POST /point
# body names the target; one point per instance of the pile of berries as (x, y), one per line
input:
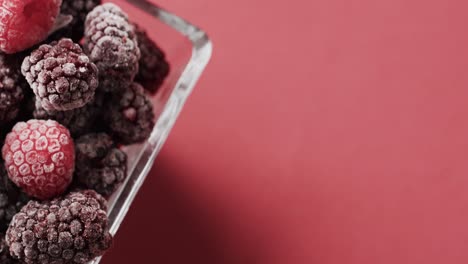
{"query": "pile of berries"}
(71, 95)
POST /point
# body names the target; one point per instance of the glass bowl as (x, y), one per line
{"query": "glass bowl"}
(188, 50)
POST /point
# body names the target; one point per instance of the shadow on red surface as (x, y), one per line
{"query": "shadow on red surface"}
(173, 227)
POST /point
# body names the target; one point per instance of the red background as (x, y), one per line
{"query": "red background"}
(323, 131)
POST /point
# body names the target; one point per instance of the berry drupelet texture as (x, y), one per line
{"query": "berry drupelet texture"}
(24, 23)
(78, 9)
(100, 165)
(5, 257)
(153, 65)
(130, 116)
(79, 120)
(67, 230)
(40, 157)
(11, 92)
(61, 75)
(111, 43)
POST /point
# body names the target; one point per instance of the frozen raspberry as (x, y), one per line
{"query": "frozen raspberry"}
(61, 75)
(111, 43)
(100, 165)
(153, 65)
(11, 93)
(130, 116)
(40, 157)
(78, 9)
(24, 23)
(79, 120)
(5, 257)
(67, 230)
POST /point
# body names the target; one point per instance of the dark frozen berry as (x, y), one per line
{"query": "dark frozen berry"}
(111, 43)
(40, 157)
(67, 230)
(100, 165)
(153, 65)
(11, 199)
(130, 116)
(24, 23)
(91, 194)
(79, 120)
(61, 75)
(5, 257)
(11, 92)
(78, 9)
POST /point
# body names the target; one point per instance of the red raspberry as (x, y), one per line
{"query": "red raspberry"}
(24, 23)
(40, 157)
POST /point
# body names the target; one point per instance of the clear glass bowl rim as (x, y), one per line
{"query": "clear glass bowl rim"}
(201, 54)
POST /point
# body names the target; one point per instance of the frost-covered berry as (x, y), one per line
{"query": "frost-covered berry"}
(79, 120)
(5, 257)
(100, 165)
(153, 67)
(78, 9)
(11, 92)
(111, 43)
(40, 157)
(24, 23)
(68, 230)
(130, 116)
(61, 75)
